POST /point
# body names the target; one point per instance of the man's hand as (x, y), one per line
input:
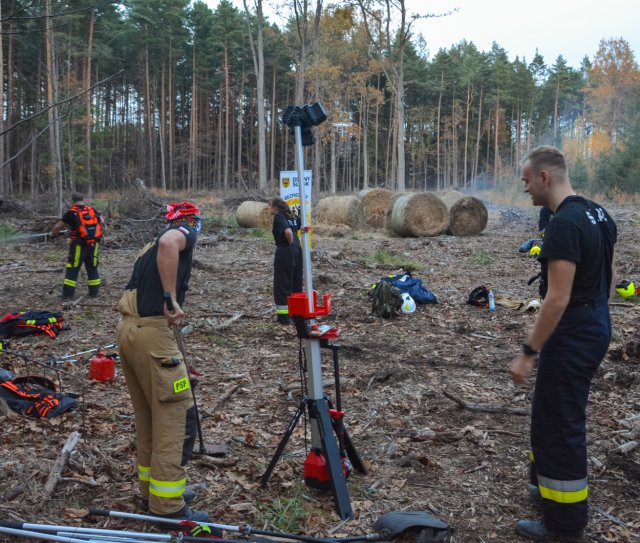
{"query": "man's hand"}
(173, 314)
(521, 368)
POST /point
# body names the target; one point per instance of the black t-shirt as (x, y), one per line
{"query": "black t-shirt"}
(582, 232)
(71, 219)
(280, 224)
(146, 279)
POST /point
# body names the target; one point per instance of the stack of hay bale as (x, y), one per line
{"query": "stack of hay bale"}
(408, 214)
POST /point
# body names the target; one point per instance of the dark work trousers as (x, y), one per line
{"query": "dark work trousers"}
(80, 254)
(287, 275)
(567, 363)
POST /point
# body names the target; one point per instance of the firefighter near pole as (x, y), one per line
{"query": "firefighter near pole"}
(326, 466)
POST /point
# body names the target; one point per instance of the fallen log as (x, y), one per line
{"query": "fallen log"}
(486, 407)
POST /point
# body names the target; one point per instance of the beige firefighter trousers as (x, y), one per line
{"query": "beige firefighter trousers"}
(159, 387)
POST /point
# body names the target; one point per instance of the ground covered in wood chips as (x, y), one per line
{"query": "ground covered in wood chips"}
(400, 380)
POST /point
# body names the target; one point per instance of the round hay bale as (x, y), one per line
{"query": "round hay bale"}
(419, 214)
(388, 226)
(252, 214)
(376, 203)
(331, 230)
(336, 210)
(468, 216)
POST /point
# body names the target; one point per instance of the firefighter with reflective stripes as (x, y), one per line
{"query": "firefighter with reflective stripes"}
(287, 263)
(85, 226)
(154, 368)
(570, 337)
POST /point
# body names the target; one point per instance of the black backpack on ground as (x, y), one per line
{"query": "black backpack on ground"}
(35, 396)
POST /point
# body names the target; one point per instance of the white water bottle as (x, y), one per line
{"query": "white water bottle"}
(492, 301)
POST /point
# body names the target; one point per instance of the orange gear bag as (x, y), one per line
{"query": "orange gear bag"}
(89, 230)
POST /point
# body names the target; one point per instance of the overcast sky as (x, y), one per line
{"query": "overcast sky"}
(570, 28)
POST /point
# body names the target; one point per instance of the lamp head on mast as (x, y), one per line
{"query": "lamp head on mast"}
(305, 117)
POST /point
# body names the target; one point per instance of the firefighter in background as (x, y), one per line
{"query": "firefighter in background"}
(85, 232)
(287, 263)
(570, 338)
(154, 368)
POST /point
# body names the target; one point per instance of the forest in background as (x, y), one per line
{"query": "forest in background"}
(186, 97)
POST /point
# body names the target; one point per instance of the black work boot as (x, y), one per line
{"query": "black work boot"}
(536, 531)
(188, 496)
(186, 514)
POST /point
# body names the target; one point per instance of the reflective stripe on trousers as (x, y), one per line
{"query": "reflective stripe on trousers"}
(167, 489)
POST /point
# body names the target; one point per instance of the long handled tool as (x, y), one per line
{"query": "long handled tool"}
(209, 449)
(22, 237)
(78, 533)
(245, 529)
(388, 526)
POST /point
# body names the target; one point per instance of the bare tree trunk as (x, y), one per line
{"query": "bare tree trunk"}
(555, 110)
(52, 99)
(258, 66)
(365, 147)
(3, 167)
(439, 182)
(171, 121)
(240, 123)
(274, 127)
(227, 135)
(87, 86)
(400, 129)
(11, 106)
(333, 161)
(149, 121)
(474, 173)
(193, 124)
(162, 125)
(466, 134)
(496, 149)
(376, 133)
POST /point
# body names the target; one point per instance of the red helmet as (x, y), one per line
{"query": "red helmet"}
(182, 209)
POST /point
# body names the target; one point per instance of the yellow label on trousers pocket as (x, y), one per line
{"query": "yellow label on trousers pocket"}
(180, 385)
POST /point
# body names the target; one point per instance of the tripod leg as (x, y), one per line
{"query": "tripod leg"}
(283, 441)
(334, 462)
(352, 453)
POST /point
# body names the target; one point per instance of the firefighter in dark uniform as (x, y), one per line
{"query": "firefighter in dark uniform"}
(570, 338)
(154, 368)
(287, 263)
(85, 232)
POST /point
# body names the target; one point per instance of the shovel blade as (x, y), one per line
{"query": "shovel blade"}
(219, 450)
(395, 522)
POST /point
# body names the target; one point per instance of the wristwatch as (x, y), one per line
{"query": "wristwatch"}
(527, 350)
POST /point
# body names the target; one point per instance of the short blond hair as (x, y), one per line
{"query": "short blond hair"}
(547, 157)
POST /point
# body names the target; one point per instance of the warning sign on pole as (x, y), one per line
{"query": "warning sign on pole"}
(290, 191)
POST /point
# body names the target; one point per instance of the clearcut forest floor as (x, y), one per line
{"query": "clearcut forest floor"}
(423, 451)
